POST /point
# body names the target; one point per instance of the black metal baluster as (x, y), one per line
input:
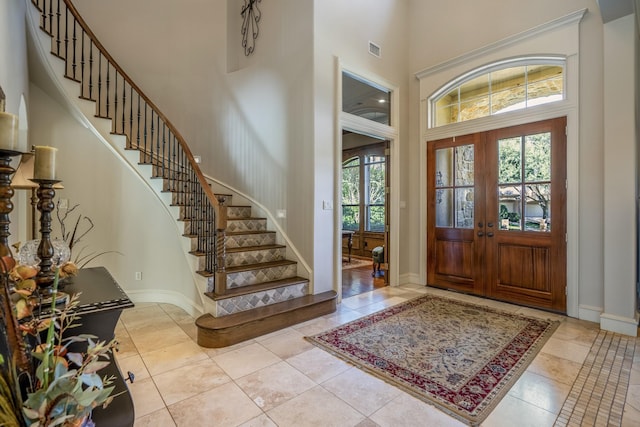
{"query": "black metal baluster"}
(114, 121)
(107, 92)
(124, 104)
(91, 69)
(58, 33)
(138, 128)
(82, 62)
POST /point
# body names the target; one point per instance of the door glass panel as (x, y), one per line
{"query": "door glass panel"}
(444, 208)
(464, 207)
(444, 167)
(510, 207)
(510, 160)
(525, 163)
(464, 165)
(537, 209)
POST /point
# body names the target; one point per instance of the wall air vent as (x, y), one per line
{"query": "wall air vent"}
(374, 49)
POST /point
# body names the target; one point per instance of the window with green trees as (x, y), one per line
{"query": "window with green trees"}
(363, 193)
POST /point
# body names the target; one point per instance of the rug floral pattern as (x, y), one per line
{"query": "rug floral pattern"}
(461, 357)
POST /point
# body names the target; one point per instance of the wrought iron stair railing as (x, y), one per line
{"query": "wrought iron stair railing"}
(146, 128)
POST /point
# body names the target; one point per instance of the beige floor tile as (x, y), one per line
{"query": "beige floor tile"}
(224, 406)
(173, 356)
(541, 391)
(287, 344)
(137, 317)
(134, 364)
(190, 380)
(318, 365)
(559, 369)
(315, 407)
(126, 347)
(177, 313)
(366, 423)
(576, 333)
(381, 305)
(245, 360)
(213, 352)
(566, 349)
(512, 411)
(407, 411)
(315, 326)
(343, 315)
(362, 300)
(160, 418)
(260, 421)
(274, 385)
(146, 398)
(153, 338)
(362, 391)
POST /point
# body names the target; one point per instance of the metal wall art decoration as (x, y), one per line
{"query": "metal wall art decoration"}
(250, 18)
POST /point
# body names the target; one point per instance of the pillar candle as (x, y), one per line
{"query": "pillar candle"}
(45, 163)
(8, 131)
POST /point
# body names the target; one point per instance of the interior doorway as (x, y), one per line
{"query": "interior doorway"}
(365, 215)
(496, 214)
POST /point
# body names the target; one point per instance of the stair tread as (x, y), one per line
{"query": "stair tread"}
(245, 218)
(240, 233)
(207, 321)
(252, 289)
(253, 248)
(256, 266)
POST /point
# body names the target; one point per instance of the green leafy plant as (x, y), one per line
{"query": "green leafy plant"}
(67, 385)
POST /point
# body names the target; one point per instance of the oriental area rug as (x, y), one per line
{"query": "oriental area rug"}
(460, 357)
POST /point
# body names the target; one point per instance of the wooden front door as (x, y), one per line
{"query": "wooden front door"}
(496, 221)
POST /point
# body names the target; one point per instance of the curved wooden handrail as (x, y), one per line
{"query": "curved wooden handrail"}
(89, 63)
(170, 125)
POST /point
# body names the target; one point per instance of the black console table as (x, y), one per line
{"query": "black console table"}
(100, 304)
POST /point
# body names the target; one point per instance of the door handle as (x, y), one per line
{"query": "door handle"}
(490, 224)
(490, 234)
(480, 234)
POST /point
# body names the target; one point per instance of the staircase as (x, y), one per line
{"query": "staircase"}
(250, 287)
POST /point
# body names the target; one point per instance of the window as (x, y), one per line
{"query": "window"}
(365, 99)
(351, 194)
(364, 174)
(499, 88)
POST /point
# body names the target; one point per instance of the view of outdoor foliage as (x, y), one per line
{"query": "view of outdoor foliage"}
(524, 178)
(372, 170)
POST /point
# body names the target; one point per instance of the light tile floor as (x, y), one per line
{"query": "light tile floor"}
(282, 380)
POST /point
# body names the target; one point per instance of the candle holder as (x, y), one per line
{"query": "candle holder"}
(6, 193)
(46, 193)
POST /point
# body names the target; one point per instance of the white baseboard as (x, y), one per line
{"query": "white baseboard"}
(621, 325)
(166, 297)
(589, 313)
(409, 278)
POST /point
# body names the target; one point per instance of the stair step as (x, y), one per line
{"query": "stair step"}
(254, 274)
(216, 332)
(254, 255)
(242, 239)
(265, 286)
(249, 267)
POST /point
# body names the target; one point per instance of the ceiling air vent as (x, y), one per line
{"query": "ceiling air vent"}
(374, 49)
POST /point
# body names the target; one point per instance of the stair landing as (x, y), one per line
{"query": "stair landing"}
(216, 332)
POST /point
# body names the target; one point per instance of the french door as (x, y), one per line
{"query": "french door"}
(496, 214)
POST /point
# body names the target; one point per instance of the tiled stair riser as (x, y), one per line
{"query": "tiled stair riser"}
(255, 256)
(260, 275)
(235, 212)
(260, 299)
(253, 239)
(253, 224)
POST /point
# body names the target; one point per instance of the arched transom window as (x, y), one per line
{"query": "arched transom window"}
(498, 88)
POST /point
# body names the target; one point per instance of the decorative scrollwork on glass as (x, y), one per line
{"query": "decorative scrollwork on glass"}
(250, 18)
